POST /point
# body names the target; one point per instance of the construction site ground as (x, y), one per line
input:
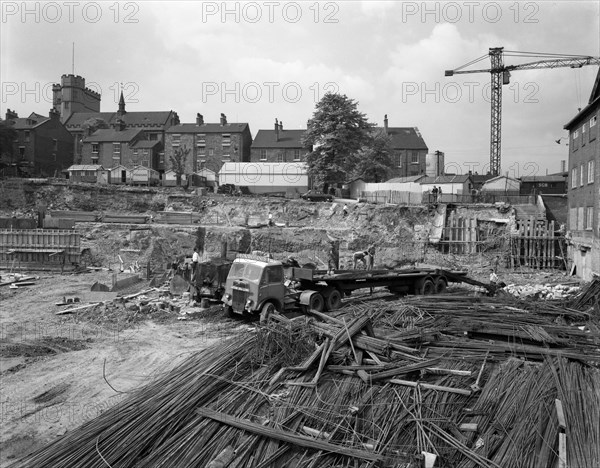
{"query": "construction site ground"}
(60, 371)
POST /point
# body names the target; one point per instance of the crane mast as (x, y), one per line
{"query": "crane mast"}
(500, 75)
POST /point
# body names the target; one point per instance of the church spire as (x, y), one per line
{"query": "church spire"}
(122, 110)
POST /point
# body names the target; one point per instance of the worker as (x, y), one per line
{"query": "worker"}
(345, 210)
(439, 194)
(493, 277)
(195, 261)
(270, 219)
(370, 257)
(496, 263)
(362, 256)
(292, 262)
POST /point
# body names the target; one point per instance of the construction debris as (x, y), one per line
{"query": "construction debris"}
(444, 381)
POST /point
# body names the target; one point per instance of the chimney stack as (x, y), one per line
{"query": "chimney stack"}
(54, 114)
(281, 125)
(276, 130)
(563, 165)
(200, 119)
(385, 123)
(223, 119)
(10, 114)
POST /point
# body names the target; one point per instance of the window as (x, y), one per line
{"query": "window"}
(273, 274)
(575, 134)
(55, 144)
(589, 217)
(152, 136)
(414, 158)
(593, 121)
(145, 163)
(581, 175)
(200, 140)
(398, 158)
(95, 148)
(211, 152)
(135, 152)
(117, 149)
(296, 155)
(574, 178)
(176, 139)
(226, 140)
(281, 156)
(591, 169)
(583, 138)
(26, 136)
(201, 149)
(263, 154)
(94, 159)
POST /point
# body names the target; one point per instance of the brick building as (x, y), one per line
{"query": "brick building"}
(43, 146)
(154, 124)
(409, 151)
(123, 146)
(278, 145)
(584, 187)
(209, 144)
(72, 96)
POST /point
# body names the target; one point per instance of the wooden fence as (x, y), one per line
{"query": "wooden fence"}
(533, 242)
(537, 245)
(39, 248)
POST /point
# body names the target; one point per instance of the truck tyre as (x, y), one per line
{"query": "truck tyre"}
(334, 300)
(440, 285)
(229, 311)
(267, 309)
(425, 286)
(316, 302)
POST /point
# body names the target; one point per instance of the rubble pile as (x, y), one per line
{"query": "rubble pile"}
(438, 381)
(543, 291)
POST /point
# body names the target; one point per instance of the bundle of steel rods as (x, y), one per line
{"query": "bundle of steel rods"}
(471, 383)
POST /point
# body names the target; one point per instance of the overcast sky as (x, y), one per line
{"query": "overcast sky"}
(257, 61)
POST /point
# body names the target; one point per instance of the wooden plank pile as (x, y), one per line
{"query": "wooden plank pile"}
(439, 381)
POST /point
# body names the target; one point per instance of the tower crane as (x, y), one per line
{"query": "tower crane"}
(500, 75)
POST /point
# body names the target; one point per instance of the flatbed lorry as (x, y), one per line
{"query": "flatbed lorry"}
(261, 285)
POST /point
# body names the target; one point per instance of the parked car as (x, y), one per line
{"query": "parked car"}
(314, 196)
(228, 189)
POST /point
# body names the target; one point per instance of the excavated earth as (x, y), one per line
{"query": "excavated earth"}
(59, 371)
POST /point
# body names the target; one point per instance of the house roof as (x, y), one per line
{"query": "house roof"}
(402, 180)
(548, 178)
(445, 179)
(501, 177)
(85, 167)
(208, 128)
(263, 168)
(405, 137)
(131, 119)
(109, 134)
(141, 144)
(287, 139)
(24, 123)
(143, 168)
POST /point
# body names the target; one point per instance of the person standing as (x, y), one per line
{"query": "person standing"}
(195, 261)
(370, 257)
(345, 210)
(270, 219)
(439, 194)
(434, 193)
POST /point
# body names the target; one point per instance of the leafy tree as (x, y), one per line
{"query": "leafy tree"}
(336, 132)
(375, 163)
(7, 136)
(178, 161)
(92, 124)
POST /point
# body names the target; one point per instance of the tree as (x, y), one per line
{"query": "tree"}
(178, 161)
(375, 162)
(92, 124)
(336, 132)
(7, 136)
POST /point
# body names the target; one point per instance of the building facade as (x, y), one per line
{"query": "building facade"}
(278, 145)
(82, 124)
(117, 147)
(409, 151)
(43, 146)
(583, 191)
(206, 145)
(72, 96)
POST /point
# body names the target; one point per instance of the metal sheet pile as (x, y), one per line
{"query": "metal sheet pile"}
(440, 381)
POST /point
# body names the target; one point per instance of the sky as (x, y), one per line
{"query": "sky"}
(258, 61)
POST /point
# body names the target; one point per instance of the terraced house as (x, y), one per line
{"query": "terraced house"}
(278, 145)
(207, 145)
(584, 187)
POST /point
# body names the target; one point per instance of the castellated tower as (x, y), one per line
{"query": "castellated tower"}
(72, 96)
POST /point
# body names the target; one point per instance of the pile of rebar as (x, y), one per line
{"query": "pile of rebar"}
(467, 382)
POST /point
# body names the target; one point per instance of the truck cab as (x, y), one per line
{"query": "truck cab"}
(255, 284)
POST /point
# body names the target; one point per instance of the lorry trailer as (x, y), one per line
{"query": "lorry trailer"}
(261, 285)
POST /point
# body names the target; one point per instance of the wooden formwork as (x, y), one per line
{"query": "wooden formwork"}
(537, 245)
(39, 248)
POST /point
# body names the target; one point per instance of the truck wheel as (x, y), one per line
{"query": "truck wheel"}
(316, 302)
(267, 309)
(440, 285)
(425, 287)
(334, 300)
(230, 312)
